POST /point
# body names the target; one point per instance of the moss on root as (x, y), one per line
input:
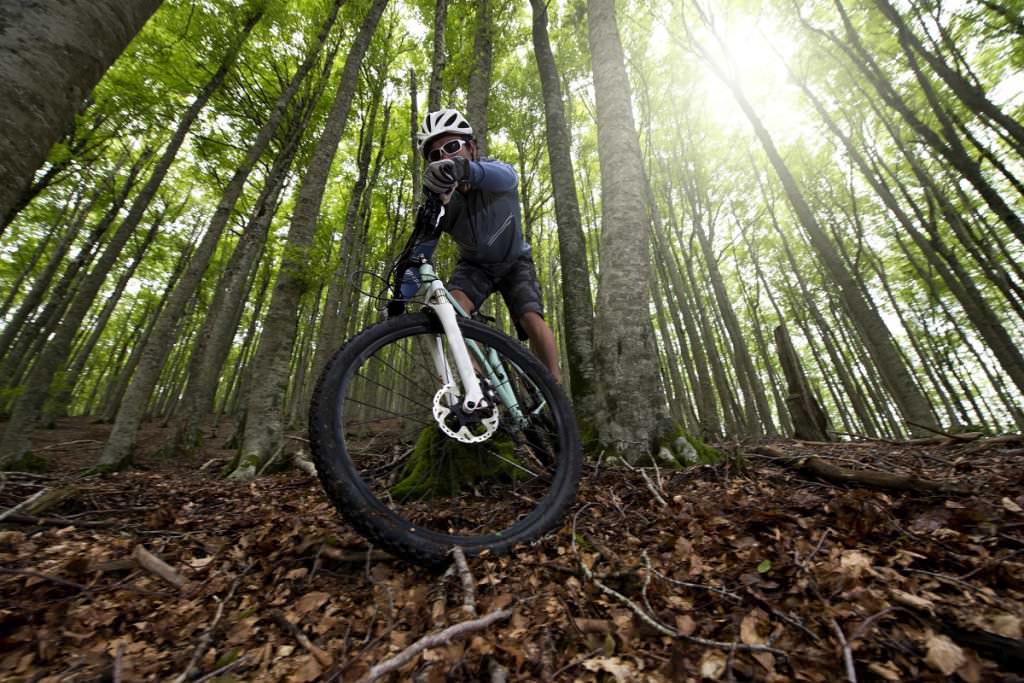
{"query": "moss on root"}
(28, 462)
(440, 466)
(687, 449)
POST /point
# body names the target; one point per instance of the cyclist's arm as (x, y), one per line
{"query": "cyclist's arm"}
(492, 176)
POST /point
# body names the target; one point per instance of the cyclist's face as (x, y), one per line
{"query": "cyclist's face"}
(465, 150)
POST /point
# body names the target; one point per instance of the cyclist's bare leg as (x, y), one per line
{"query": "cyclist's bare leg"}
(542, 341)
(463, 300)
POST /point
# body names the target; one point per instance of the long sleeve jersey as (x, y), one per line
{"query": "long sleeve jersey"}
(485, 221)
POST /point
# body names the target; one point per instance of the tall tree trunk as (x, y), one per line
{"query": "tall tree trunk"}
(118, 449)
(577, 299)
(437, 61)
(52, 53)
(479, 91)
(632, 414)
(57, 406)
(25, 414)
(213, 341)
(264, 428)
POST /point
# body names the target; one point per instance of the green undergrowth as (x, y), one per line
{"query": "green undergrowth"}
(440, 466)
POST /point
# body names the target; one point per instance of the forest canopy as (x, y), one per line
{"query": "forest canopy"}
(828, 217)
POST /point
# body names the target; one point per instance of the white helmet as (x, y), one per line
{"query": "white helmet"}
(440, 122)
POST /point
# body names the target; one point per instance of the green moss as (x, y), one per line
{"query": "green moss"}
(28, 462)
(685, 450)
(440, 466)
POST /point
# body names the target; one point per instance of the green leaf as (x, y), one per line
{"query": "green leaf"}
(764, 567)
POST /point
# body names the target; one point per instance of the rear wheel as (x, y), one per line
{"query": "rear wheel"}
(413, 471)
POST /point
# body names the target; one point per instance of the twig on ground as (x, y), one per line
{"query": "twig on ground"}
(207, 637)
(440, 606)
(650, 485)
(851, 672)
(434, 640)
(468, 582)
(866, 624)
(119, 664)
(155, 565)
(699, 586)
(323, 658)
(671, 632)
(23, 504)
(821, 541)
(66, 443)
(244, 659)
(32, 520)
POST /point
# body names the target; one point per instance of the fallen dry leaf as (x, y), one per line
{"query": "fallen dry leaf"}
(943, 655)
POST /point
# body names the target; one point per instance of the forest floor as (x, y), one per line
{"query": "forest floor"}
(756, 571)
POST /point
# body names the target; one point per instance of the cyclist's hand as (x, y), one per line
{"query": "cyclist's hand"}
(442, 176)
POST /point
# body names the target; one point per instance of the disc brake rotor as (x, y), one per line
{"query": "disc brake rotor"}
(463, 433)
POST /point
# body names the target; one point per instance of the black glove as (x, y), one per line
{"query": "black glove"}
(442, 176)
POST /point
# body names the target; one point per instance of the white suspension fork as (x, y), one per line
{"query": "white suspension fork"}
(437, 300)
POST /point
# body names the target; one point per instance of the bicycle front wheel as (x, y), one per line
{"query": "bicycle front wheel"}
(413, 471)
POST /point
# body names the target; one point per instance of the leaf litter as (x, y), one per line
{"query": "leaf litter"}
(748, 571)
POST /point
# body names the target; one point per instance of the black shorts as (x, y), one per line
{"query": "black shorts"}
(517, 282)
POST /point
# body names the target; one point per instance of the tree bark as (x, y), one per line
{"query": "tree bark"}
(479, 91)
(118, 449)
(632, 412)
(52, 53)
(809, 419)
(264, 426)
(577, 299)
(27, 408)
(437, 62)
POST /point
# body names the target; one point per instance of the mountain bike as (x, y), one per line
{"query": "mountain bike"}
(432, 429)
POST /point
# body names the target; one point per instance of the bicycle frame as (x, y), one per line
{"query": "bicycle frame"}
(437, 297)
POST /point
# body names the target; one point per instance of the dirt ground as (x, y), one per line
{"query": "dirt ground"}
(756, 570)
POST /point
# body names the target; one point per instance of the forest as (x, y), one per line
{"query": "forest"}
(780, 246)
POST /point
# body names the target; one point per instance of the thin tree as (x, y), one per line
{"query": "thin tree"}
(264, 421)
(577, 299)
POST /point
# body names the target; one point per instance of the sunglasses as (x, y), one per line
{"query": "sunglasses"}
(447, 149)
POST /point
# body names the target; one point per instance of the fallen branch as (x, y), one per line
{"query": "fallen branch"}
(155, 565)
(23, 504)
(32, 520)
(323, 658)
(468, 582)
(434, 640)
(869, 478)
(965, 437)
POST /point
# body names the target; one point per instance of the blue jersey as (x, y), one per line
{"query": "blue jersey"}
(485, 221)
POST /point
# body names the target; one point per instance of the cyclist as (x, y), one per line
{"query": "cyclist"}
(482, 215)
